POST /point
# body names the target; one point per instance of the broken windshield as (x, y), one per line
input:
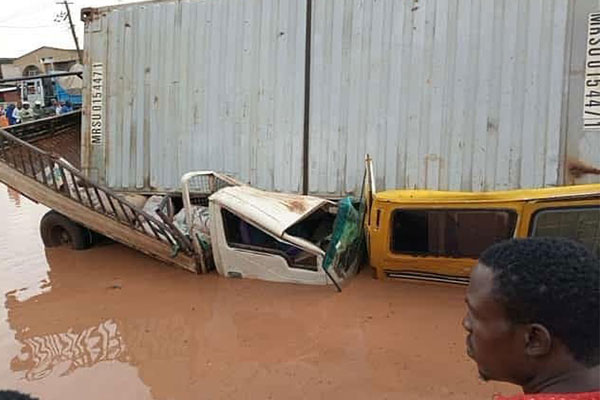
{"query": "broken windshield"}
(346, 250)
(243, 235)
(316, 228)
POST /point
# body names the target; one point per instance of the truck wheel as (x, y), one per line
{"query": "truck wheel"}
(58, 230)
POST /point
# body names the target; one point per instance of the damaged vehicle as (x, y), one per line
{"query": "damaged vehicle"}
(439, 235)
(284, 237)
(213, 221)
(244, 232)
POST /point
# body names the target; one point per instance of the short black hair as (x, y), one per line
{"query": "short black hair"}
(554, 282)
(13, 395)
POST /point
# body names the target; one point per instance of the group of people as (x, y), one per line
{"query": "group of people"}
(23, 112)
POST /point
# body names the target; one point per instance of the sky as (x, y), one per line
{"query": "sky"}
(26, 25)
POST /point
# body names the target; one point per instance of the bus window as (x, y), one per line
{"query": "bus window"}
(578, 223)
(450, 233)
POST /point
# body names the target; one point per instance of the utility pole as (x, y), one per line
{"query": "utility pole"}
(72, 30)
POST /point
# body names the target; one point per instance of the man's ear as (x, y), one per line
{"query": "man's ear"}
(538, 341)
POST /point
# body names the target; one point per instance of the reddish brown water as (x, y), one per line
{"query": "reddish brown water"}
(110, 323)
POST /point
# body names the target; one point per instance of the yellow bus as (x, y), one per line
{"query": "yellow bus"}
(438, 235)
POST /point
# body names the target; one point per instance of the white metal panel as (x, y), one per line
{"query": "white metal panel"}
(254, 264)
(199, 84)
(581, 146)
(273, 212)
(444, 94)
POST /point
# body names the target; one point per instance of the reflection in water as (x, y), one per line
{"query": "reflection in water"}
(191, 337)
(41, 355)
(97, 312)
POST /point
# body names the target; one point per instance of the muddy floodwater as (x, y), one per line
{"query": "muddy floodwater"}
(111, 323)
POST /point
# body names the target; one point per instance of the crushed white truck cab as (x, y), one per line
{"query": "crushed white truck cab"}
(284, 237)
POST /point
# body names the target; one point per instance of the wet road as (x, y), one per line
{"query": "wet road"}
(110, 323)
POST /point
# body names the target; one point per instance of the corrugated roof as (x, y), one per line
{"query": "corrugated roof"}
(44, 47)
(508, 195)
(4, 89)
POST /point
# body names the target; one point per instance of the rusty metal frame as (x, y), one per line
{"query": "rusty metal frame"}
(23, 157)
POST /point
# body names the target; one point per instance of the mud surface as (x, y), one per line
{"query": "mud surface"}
(110, 323)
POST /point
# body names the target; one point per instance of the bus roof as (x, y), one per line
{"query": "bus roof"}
(551, 193)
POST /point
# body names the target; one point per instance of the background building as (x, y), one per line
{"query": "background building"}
(9, 93)
(46, 59)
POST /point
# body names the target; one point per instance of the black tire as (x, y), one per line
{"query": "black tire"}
(57, 230)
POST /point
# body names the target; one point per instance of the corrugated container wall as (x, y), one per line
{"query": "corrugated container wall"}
(444, 94)
(193, 85)
(580, 145)
(448, 94)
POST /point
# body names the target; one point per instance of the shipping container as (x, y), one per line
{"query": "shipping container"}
(177, 86)
(444, 94)
(451, 95)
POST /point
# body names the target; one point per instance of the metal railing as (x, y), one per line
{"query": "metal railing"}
(60, 177)
(196, 187)
(45, 127)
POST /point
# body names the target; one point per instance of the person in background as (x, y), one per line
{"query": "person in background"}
(17, 112)
(54, 108)
(66, 107)
(10, 114)
(533, 318)
(26, 114)
(3, 120)
(38, 111)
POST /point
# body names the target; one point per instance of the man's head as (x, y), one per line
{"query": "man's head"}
(54, 102)
(533, 308)
(37, 104)
(26, 105)
(14, 395)
(19, 105)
